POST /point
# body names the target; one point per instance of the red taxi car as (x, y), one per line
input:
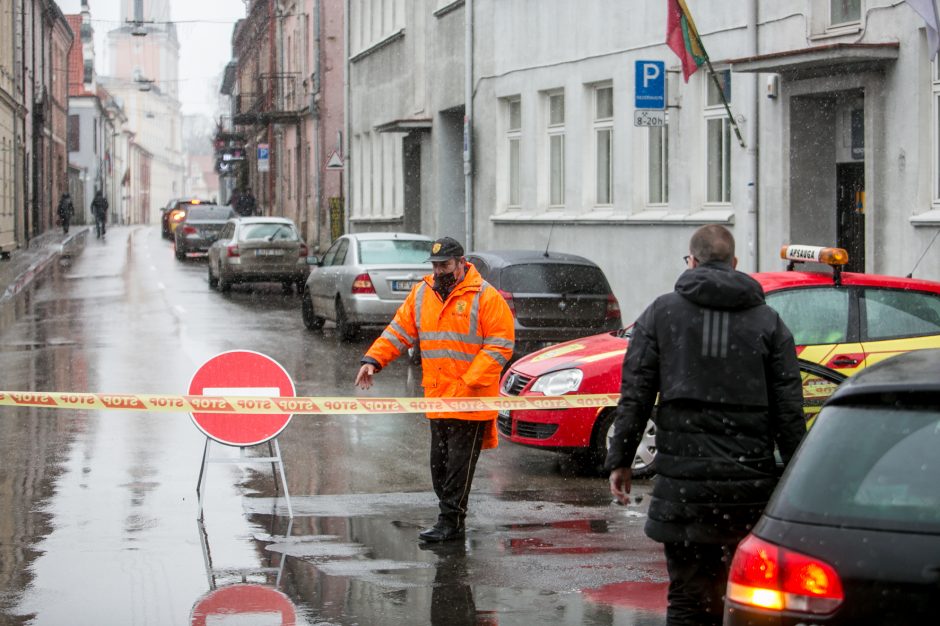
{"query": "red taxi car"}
(841, 320)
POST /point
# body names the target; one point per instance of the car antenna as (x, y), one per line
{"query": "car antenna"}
(548, 243)
(911, 274)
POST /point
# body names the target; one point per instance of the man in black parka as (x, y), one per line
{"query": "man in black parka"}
(724, 366)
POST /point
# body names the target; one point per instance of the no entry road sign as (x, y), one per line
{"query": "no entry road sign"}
(241, 373)
(244, 604)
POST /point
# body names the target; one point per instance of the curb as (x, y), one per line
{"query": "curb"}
(69, 247)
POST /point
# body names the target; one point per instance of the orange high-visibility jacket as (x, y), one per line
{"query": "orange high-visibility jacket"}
(465, 341)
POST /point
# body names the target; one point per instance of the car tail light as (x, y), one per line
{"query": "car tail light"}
(773, 578)
(190, 230)
(363, 284)
(231, 250)
(304, 252)
(178, 216)
(508, 298)
(613, 308)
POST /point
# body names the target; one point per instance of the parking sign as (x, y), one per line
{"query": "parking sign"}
(650, 79)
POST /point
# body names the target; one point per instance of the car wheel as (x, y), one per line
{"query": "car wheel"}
(311, 320)
(345, 330)
(645, 453)
(213, 281)
(224, 285)
(180, 253)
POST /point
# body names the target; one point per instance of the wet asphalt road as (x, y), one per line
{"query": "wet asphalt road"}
(98, 509)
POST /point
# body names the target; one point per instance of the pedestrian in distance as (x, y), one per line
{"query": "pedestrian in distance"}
(465, 332)
(724, 366)
(65, 211)
(99, 208)
(246, 205)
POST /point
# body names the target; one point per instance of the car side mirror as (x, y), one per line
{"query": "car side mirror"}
(314, 260)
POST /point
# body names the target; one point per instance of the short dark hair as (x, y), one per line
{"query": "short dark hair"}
(712, 243)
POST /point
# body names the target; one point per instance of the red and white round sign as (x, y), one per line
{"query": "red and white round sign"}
(244, 604)
(242, 373)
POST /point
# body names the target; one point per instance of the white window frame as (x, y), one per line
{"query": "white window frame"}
(373, 21)
(820, 20)
(663, 174)
(602, 125)
(849, 23)
(553, 132)
(513, 136)
(715, 113)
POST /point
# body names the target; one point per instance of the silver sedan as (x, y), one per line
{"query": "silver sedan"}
(258, 249)
(362, 280)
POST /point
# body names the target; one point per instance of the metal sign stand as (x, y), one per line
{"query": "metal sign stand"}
(241, 573)
(274, 458)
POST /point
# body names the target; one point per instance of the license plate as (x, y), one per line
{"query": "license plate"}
(403, 285)
(269, 252)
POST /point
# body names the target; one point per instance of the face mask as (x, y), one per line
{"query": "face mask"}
(444, 282)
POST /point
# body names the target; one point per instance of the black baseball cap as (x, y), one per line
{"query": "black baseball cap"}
(445, 249)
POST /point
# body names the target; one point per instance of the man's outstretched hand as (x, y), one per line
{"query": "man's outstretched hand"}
(364, 377)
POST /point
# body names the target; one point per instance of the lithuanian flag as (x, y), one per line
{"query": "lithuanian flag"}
(682, 37)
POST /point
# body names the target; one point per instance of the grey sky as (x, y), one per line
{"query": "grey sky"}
(204, 28)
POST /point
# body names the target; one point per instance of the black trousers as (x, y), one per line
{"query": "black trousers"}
(455, 448)
(698, 575)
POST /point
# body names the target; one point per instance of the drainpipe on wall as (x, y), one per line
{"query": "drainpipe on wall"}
(318, 121)
(468, 124)
(346, 121)
(753, 153)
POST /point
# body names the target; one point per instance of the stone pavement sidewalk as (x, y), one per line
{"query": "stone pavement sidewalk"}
(26, 264)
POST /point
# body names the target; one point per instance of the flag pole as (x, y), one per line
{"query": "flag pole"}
(721, 91)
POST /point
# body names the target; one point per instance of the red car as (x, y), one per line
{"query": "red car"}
(842, 321)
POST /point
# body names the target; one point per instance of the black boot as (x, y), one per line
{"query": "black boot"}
(436, 534)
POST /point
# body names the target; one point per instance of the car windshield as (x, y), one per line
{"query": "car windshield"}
(554, 278)
(383, 251)
(866, 467)
(272, 231)
(209, 212)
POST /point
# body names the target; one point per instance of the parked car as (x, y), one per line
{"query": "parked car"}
(843, 321)
(852, 532)
(199, 228)
(258, 249)
(175, 212)
(553, 296)
(362, 280)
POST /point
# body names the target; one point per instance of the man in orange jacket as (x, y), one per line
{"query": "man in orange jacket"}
(465, 332)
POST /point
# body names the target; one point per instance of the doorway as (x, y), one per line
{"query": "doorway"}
(850, 213)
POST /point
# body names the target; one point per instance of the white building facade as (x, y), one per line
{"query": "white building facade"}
(836, 101)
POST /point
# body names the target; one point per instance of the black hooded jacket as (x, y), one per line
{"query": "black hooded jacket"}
(724, 367)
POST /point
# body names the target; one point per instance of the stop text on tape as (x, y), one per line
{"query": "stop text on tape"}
(303, 405)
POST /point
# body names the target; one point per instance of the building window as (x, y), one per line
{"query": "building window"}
(604, 145)
(556, 149)
(513, 149)
(374, 20)
(845, 12)
(377, 181)
(658, 165)
(718, 140)
(74, 134)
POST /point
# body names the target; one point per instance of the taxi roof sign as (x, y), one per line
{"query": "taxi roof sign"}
(836, 258)
(818, 254)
